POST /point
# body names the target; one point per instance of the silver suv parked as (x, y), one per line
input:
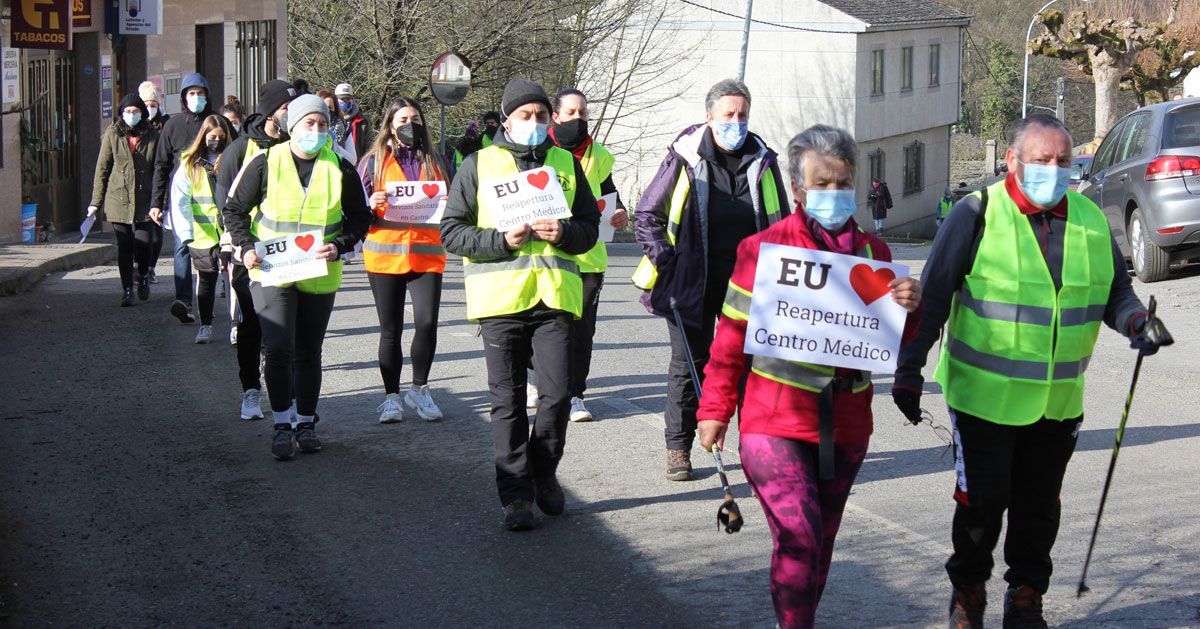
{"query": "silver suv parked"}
(1146, 178)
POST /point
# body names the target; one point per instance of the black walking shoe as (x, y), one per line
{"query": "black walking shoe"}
(518, 516)
(306, 437)
(549, 496)
(1023, 609)
(282, 446)
(127, 297)
(183, 312)
(966, 607)
(143, 289)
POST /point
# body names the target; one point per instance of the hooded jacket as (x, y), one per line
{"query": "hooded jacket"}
(122, 183)
(683, 268)
(176, 136)
(234, 155)
(354, 131)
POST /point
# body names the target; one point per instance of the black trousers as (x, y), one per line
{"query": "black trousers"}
(156, 242)
(540, 337)
(584, 330)
(293, 330)
(1015, 468)
(249, 347)
(390, 291)
(135, 244)
(208, 271)
(682, 398)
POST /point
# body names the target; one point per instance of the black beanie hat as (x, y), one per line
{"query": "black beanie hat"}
(131, 100)
(273, 94)
(520, 92)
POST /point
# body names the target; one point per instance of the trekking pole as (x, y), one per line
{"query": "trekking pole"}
(1164, 338)
(728, 514)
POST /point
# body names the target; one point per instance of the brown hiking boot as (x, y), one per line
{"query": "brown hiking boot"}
(1023, 609)
(679, 465)
(966, 607)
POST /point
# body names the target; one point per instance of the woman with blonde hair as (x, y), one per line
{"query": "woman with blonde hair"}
(404, 258)
(194, 213)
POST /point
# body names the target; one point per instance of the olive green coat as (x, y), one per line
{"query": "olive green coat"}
(123, 179)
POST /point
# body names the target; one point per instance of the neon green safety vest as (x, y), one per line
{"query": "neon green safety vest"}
(944, 207)
(1015, 350)
(646, 274)
(805, 376)
(289, 208)
(485, 140)
(538, 271)
(597, 165)
(206, 231)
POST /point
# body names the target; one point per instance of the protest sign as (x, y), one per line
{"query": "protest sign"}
(415, 201)
(291, 258)
(526, 197)
(825, 309)
(608, 206)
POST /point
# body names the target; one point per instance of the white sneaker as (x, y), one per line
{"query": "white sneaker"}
(579, 412)
(390, 410)
(531, 396)
(419, 400)
(233, 335)
(204, 334)
(252, 404)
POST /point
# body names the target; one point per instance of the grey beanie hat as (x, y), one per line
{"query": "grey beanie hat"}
(303, 106)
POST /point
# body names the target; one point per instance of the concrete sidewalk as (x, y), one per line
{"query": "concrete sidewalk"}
(23, 266)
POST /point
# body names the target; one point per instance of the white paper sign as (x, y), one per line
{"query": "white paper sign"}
(415, 201)
(290, 258)
(10, 58)
(826, 309)
(86, 227)
(608, 207)
(526, 197)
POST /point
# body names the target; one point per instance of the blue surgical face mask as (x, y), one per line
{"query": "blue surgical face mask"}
(132, 119)
(345, 106)
(1045, 184)
(731, 135)
(830, 208)
(528, 132)
(196, 103)
(309, 141)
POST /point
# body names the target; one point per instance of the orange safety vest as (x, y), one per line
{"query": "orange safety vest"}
(399, 248)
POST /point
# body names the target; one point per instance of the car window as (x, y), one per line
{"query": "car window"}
(1182, 128)
(1104, 156)
(1133, 137)
(1076, 172)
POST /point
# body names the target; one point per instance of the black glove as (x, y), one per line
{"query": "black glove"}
(1152, 336)
(909, 402)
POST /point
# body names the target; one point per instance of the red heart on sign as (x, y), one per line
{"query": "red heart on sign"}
(305, 242)
(430, 190)
(870, 284)
(601, 205)
(538, 179)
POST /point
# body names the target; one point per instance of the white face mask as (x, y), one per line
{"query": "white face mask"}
(153, 111)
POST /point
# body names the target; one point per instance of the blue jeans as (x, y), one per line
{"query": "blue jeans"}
(183, 272)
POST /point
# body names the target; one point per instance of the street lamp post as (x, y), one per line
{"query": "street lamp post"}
(1029, 34)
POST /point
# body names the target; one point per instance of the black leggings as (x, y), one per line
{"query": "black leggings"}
(249, 347)
(389, 293)
(156, 242)
(293, 327)
(134, 243)
(207, 267)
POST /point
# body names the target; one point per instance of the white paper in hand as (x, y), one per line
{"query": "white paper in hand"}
(291, 258)
(86, 227)
(608, 205)
(526, 197)
(421, 202)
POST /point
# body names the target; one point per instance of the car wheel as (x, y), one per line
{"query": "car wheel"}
(1150, 262)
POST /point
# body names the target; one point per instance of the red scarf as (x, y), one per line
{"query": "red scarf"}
(1013, 187)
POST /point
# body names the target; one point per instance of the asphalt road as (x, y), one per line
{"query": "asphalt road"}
(133, 496)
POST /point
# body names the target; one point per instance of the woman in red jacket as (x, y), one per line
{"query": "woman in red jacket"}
(779, 419)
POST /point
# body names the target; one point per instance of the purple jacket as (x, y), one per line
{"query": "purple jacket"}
(683, 268)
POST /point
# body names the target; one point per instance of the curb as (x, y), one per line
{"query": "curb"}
(76, 257)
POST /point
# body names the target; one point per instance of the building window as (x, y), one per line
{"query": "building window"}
(255, 59)
(935, 65)
(906, 68)
(875, 162)
(914, 168)
(877, 73)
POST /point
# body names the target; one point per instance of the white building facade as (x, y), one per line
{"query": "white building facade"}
(888, 72)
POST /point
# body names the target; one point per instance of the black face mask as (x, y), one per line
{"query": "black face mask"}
(214, 146)
(572, 133)
(411, 135)
(490, 131)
